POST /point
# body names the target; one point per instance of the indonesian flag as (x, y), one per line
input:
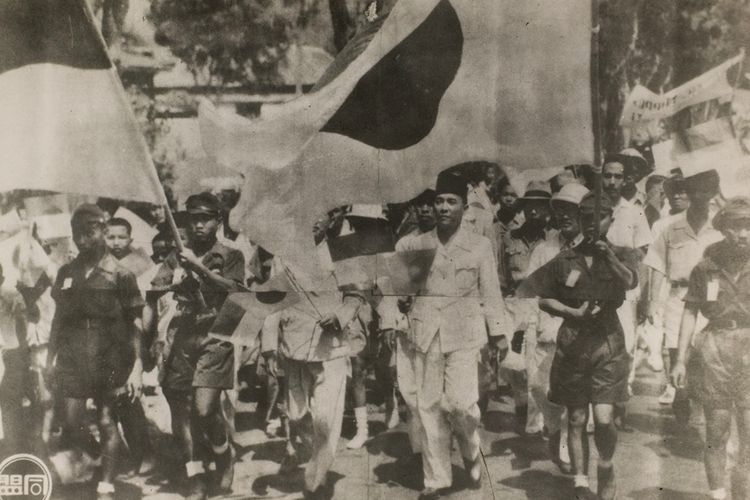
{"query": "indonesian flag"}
(66, 123)
(440, 82)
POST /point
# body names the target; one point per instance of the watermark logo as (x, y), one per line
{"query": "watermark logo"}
(24, 476)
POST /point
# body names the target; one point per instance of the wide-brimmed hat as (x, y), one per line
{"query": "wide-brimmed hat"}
(632, 160)
(536, 191)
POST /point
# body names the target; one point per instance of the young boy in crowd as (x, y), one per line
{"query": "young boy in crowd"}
(119, 240)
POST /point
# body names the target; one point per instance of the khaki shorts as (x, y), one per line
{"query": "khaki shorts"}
(724, 357)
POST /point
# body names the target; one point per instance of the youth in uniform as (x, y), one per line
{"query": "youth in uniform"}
(719, 288)
(95, 341)
(196, 367)
(585, 286)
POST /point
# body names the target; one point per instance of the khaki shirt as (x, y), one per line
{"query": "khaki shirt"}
(677, 249)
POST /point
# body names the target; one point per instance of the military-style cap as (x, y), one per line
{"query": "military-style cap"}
(588, 203)
(86, 215)
(203, 203)
(451, 183)
(570, 193)
(735, 209)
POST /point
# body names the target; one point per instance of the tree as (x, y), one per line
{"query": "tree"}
(661, 44)
(226, 41)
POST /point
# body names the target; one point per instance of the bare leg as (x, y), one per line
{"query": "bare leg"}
(578, 441)
(605, 433)
(110, 440)
(718, 421)
(740, 479)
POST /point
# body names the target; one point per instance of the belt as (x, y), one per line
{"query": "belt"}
(680, 284)
(727, 324)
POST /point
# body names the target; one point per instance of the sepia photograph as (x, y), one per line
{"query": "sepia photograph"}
(374, 249)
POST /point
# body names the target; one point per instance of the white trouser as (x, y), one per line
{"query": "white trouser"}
(407, 386)
(447, 395)
(317, 389)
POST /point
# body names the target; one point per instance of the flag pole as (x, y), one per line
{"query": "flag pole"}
(595, 122)
(141, 141)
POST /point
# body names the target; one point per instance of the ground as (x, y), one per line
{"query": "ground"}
(655, 462)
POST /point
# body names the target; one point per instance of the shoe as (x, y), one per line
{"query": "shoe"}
(606, 486)
(431, 493)
(474, 471)
(323, 492)
(667, 397)
(393, 419)
(583, 493)
(655, 362)
(225, 469)
(289, 463)
(197, 488)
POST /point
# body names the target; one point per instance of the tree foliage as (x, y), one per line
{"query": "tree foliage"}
(661, 44)
(227, 41)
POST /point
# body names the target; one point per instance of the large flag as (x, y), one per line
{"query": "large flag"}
(66, 123)
(439, 83)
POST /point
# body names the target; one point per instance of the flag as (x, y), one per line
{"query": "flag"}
(439, 83)
(406, 272)
(355, 256)
(66, 123)
(242, 314)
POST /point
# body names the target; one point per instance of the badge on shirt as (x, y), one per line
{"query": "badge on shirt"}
(573, 278)
(712, 290)
(67, 283)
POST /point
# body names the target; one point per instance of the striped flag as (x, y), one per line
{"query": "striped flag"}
(437, 83)
(66, 123)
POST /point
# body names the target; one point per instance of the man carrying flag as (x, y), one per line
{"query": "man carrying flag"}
(450, 319)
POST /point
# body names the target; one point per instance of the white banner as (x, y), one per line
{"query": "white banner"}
(645, 106)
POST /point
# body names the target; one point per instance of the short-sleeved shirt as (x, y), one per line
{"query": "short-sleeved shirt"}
(677, 248)
(629, 227)
(228, 262)
(518, 249)
(94, 315)
(732, 298)
(569, 279)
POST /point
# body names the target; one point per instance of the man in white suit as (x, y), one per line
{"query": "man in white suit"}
(450, 320)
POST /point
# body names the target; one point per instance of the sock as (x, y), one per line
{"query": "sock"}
(580, 480)
(105, 487)
(604, 464)
(718, 494)
(194, 468)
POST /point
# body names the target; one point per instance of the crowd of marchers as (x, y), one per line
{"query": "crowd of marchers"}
(554, 295)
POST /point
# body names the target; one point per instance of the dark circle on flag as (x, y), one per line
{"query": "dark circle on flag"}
(272, 297)
(49, 31)
(395, 104)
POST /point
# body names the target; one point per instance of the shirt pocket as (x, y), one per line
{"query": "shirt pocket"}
(467, 277)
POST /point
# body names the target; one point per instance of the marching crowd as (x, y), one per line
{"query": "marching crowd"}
(555, 296)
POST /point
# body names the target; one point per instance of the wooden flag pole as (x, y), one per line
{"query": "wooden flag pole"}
(595, 122)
